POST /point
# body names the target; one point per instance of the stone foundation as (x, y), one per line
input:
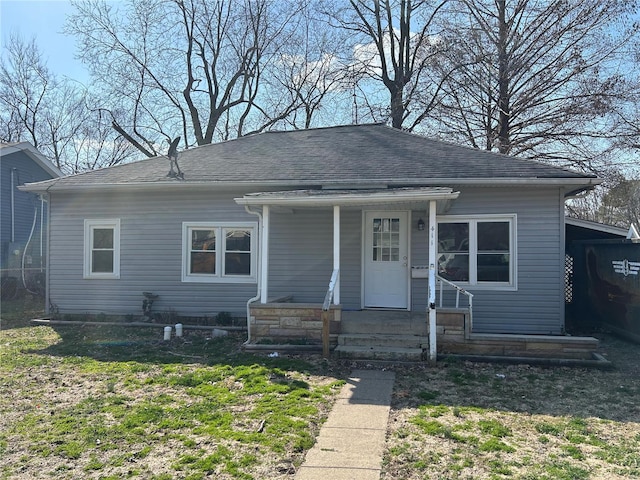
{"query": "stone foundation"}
(285, 323)
(454, 337)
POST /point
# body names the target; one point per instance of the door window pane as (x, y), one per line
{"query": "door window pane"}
(386, 240)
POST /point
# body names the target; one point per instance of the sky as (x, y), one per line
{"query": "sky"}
(44, 20)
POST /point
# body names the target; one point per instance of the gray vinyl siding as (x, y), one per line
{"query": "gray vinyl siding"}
(150, 253)
(301, 255)
(419, 258)
(537, 305)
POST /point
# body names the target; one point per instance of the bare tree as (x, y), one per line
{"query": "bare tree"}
(52, 113)
(193, 68)
(25, 84)
(311, 73)
(537, 79)
(397, 43)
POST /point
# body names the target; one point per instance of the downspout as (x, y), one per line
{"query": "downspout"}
(47, 294)
(259, 274)
(13, 205)
(41, 232)
(24, 252)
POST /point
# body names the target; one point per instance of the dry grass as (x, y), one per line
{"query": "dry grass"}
(463, 420)
(117, 402)
(88, 402)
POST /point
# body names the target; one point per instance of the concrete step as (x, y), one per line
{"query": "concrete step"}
(378, 353)
(386, 327)
(378, 340)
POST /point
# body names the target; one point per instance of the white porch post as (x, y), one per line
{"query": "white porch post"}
(264, 256)
(433, 351)
(336, 252)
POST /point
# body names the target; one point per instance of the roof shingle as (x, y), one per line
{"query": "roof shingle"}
(355, 153)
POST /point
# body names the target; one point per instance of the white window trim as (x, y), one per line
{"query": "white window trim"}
(473, 220)
(89, 226)
(219, 277)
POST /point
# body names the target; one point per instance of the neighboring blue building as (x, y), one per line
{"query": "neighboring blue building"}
(22, 215)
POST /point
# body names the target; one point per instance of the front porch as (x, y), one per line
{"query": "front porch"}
(385, 300)
(400, 335)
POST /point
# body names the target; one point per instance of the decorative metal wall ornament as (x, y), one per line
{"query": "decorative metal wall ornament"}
(625, 267)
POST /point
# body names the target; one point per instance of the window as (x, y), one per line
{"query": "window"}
(386, 239)
(215, 252)
(478, 250)
(102, 248)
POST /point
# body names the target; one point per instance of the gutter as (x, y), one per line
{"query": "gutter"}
(583, 182)
(580, 192)
(345, 199)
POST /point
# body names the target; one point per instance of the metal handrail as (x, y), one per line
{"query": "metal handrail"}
(332, 286)
(325, 312)
(458, 290)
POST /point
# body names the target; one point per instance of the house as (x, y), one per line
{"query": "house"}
(22, 214)
(273, 223)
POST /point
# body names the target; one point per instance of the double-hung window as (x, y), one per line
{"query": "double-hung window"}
(219, 252)
(479, 251)
(102, 248)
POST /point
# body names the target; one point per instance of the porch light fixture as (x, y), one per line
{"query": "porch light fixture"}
(420, 224)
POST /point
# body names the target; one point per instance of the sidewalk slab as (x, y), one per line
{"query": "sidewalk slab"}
(357, 415)
(351, 442)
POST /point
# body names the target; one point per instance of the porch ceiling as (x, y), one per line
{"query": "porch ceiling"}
(412, 198)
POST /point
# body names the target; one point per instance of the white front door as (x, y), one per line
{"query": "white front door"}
(386, 271)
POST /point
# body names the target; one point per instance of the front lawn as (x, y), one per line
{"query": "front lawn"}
(474, 421)
(119, 402)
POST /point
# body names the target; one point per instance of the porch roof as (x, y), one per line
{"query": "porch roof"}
(356, 197)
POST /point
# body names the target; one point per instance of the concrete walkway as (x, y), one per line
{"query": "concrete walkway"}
(351, 442)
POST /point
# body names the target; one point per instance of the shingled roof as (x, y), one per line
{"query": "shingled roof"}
(353, 154)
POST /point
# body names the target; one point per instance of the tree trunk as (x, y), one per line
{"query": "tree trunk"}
(397, 107)
(504, 143)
